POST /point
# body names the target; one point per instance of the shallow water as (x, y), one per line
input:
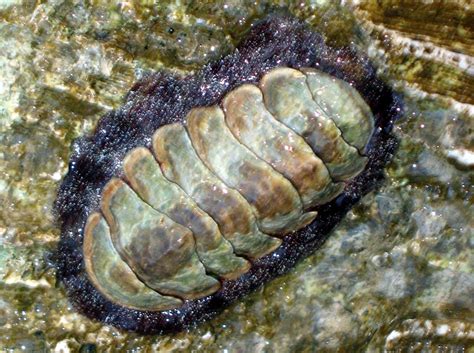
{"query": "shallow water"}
(396, 274)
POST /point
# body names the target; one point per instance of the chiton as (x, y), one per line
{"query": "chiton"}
(201, 188)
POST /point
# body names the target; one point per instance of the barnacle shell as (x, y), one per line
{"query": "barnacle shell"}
(204, 198)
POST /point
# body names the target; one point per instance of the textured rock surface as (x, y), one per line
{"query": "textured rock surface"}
(396, 274)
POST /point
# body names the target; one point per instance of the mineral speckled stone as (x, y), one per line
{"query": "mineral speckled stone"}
(200, 189)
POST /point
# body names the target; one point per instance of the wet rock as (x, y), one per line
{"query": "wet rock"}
(335, 327)
(462, 157)
(356, 239)
(430, 335)
(393, 285)
(403, 255)
(429, 165)
(449, 293)
(429, 222)
(88, 348)
(389, 206)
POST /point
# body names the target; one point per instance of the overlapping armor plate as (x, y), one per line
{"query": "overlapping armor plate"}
(223, 189)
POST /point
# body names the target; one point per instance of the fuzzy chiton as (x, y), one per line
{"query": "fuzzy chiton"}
(199, 189)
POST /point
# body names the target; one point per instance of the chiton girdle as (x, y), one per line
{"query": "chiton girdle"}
(155, 138)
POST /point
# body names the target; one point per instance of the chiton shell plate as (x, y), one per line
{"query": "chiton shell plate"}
(200, 189)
